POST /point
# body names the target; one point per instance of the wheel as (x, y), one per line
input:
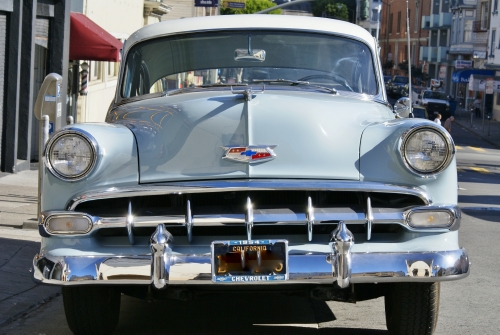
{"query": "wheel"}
(91, 309)
(412, 308)
(333, 77)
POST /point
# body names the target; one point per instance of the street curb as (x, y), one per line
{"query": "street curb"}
(477, 134)
(30, 224)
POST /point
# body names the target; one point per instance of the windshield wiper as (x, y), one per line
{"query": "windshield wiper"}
(295, 83)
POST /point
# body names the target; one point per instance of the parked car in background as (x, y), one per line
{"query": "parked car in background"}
(420, 112)
(397, 85)
(241, 152)
(436, 102)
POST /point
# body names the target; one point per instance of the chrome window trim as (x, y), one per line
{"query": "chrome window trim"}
(376, 63)
(244, 185)
(77, 132)
(435, 128)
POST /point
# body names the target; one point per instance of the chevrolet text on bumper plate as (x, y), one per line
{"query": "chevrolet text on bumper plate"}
(249, 261)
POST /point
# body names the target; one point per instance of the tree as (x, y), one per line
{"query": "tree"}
(319, 8)
(251, 6)
(388, 65)
(336, 11)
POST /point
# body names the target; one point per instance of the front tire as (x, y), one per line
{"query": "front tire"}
(91, 309)
(412, 308)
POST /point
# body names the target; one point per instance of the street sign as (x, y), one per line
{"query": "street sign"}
(206, 3)
(233, 4)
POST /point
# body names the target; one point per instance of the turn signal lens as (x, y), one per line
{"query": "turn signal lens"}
(433, 219)
(68, 225)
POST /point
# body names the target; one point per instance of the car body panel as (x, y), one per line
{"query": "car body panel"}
(184, 140)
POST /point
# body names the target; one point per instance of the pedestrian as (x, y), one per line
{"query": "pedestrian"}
(438, 119)
(477, 106)
(447, 123)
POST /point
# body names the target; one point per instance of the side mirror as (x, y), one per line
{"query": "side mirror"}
(402, 108)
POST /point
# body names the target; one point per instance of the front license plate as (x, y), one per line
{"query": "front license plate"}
(249, 261)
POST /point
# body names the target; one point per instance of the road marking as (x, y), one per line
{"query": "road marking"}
(477, 149)
(480, 170)
(299, 325)
(458, 147)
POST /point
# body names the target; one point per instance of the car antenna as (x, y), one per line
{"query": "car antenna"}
(410, 93)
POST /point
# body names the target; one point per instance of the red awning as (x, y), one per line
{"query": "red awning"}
(88, 41)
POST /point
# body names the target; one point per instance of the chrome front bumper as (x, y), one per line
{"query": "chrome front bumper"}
(164, 267)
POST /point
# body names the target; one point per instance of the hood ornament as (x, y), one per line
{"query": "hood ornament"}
(249, 154)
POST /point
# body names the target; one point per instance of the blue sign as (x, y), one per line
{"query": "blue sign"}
(231, 4)
(51, 127)
(206, 3)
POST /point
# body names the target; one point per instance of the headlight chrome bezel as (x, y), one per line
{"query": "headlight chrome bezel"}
(450, 146)
(89, 139)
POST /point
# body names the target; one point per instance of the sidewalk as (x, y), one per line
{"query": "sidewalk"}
(19, 294)
(18, 199)
(489, 131)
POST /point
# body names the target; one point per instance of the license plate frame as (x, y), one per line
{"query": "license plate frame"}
(272, 267)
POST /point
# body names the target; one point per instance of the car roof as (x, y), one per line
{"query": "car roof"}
(250, 21)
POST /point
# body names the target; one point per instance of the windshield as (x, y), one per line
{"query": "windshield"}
(248, 57)
(434, 95)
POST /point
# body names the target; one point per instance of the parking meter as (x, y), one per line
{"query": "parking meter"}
(48, 110)
(48, 102)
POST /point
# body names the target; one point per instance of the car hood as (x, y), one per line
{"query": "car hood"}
(314, 135)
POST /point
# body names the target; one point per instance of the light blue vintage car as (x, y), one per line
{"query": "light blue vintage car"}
(251, 151)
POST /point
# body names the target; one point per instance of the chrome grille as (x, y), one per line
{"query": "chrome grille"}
(256, 209)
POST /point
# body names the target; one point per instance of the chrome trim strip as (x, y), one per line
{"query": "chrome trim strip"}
(189, 221)
(244, 185)
(303, 268)
(130, 224)
(284, 217)
(310, 219)
(249, 218)
(369, 218)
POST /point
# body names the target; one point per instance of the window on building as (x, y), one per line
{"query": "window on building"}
(492, 44)
(375, 15)
(398, 30)
(390, 23)
(95, 70)
(485, 15)
(468, 31)
(416, 20)
(408, 17)
(498, 98)
(113, 69)
(495, 6)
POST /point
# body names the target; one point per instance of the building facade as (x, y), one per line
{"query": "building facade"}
(34, 41)
(393, 36)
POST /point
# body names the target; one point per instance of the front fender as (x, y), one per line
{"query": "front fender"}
(380, 161)
(117, 165)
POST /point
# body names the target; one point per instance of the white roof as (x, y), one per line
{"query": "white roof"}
(250, 21)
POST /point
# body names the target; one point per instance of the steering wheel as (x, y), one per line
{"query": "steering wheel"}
(333, 77)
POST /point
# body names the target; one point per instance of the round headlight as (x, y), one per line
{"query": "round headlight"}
(427, 150)
(70, 155)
